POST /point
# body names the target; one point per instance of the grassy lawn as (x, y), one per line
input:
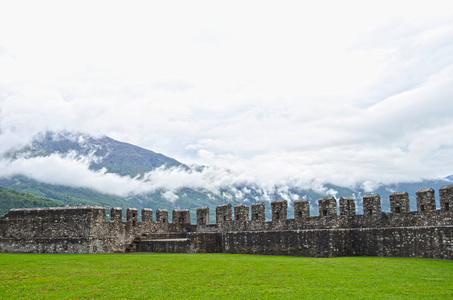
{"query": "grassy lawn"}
(176, 276)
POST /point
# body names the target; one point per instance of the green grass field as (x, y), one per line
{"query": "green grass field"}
(176, 276)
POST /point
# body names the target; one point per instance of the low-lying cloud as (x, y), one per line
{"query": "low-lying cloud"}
(72, 170)
(404, 138)
(310, 98)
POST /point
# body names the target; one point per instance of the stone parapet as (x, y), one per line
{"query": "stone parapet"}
(427, 232)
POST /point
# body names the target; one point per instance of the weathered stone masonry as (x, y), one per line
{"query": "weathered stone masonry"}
(427, 232)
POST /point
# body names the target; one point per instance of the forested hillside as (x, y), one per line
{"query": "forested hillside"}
(13, 199)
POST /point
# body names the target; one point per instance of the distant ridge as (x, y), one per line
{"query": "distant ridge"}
(116, 157)
(13, 199)
(128, 160)
(449, 178)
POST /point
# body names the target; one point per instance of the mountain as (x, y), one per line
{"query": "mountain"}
(116, 157)
(449, 178)
(13, 199)
(128, 160)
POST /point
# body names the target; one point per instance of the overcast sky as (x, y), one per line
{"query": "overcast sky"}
(339, 91)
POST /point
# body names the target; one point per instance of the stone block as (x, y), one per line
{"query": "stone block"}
(202, 216)
(162, 216)
(327, 207)
(241, 212)
(301, 209)
(279, 210)
(116, 214)
(147, 215)
(372, 205)
(258, 212)
(399, 203)
(181, 216)
(347, 206)
(446, 197)
(224, 213)
(132, 215)
(426, 200)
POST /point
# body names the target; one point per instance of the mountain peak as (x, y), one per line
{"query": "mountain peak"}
(115, 156)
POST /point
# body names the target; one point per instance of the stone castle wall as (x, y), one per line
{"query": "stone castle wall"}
(427, 232)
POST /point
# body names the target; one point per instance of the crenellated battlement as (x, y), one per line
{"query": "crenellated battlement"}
(329, 208)
(426, 232)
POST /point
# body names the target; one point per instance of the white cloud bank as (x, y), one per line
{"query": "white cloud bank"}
(274, 94)
(74, 171)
